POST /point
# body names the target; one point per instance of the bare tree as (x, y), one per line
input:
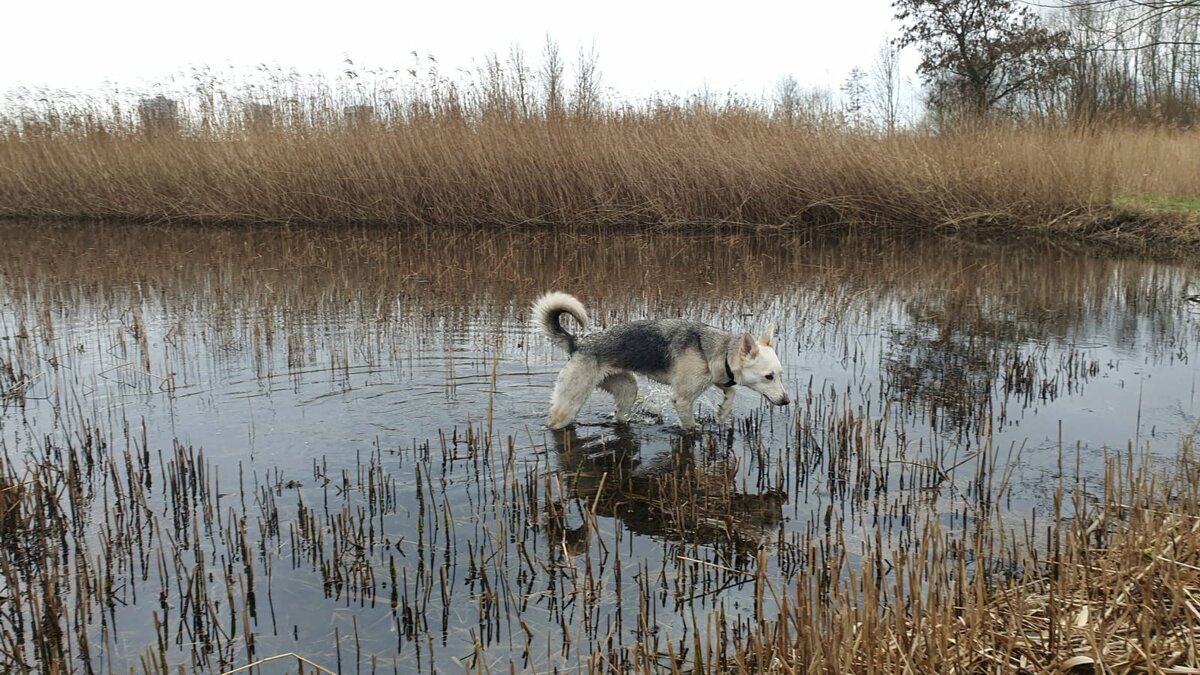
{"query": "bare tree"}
(585, 99)
(552, 79)
(495, 98)
(787, 100)
(885, 85)
(812, 107)
(977, 55)
(854, 93)
(519, 70)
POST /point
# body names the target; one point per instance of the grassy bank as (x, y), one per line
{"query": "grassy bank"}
(657, 164)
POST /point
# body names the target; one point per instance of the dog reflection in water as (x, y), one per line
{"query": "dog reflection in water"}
(681, 489)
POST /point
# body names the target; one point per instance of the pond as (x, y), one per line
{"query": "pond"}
(256, 441)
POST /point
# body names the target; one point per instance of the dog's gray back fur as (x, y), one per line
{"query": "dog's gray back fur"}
(651, 347)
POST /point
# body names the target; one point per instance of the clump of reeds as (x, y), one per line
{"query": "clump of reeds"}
(1114, 588)
(484, 155)
(11, 494)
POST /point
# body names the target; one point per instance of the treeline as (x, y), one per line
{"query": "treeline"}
(1135, 60)
(1080, 61)
(1073, 62)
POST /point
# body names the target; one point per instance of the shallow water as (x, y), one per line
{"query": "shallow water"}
(332, 443)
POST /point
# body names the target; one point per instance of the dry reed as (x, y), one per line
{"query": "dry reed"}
(1114, 589)
(657, 164)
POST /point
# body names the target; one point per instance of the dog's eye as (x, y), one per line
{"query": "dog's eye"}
(770, 376)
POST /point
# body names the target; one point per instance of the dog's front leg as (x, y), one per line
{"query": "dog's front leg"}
(726, 404)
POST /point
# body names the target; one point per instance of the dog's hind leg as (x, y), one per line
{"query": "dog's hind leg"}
(683, 405)
(575, 383)
(684, 400)
(623, 387)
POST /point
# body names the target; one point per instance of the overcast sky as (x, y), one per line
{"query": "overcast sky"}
(643, 45)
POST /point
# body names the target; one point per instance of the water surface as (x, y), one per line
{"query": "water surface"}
(333, 443)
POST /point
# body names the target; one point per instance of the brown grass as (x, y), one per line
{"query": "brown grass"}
(655, 165)
(1114, 590)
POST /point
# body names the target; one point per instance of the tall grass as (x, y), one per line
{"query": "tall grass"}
(480, 156)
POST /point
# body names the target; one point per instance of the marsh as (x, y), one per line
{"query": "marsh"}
(221, 444)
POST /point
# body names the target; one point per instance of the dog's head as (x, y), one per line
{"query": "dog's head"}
(760, 368)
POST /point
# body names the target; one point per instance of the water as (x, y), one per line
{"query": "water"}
(332, 443)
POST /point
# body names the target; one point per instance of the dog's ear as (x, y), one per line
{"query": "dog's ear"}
(767, 334)
(748, 348)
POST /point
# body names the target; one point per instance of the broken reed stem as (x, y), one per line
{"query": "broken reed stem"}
(289, 655)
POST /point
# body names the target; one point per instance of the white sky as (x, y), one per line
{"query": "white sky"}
(643, 46)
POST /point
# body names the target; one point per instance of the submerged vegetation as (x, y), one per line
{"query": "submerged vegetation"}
(327, 447)
(1113, 587)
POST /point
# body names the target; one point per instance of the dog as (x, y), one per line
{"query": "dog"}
(689, 356)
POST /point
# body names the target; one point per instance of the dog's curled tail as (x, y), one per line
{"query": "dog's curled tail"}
(546, 312)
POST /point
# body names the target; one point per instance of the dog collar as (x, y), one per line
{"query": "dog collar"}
(729, 374)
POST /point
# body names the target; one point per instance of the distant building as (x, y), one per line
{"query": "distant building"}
(260, 115)
(159, 115)
(356, 115)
